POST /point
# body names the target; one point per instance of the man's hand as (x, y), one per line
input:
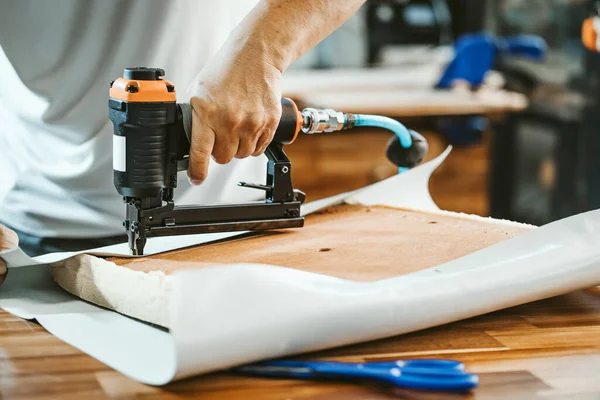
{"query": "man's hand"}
(236, 103)
(236, 98)
(8, 240)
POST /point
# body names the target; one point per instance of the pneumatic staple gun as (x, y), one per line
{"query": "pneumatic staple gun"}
(151, 143)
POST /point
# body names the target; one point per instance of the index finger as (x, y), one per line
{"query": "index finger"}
(201, 147)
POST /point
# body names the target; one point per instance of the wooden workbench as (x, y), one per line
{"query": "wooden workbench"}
(397, 92)
(548, 349)
(325, 165)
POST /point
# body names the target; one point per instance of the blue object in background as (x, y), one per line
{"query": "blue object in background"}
(474, 56)
(444, 375)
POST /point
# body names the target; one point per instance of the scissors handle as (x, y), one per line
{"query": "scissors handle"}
(415, 377)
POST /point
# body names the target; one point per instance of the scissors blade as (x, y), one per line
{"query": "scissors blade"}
(434, 364)
(409, 377)
(275, 371)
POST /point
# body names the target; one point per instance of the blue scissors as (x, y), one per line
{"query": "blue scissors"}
(441, 375)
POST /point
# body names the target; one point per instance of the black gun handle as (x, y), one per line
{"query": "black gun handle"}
(287, 131)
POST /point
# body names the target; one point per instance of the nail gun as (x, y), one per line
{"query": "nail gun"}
(151, 143)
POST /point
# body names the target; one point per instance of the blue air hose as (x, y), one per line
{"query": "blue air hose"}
(390, 124)
(406, 149)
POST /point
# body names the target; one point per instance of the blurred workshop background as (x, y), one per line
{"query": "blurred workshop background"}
(526, 140)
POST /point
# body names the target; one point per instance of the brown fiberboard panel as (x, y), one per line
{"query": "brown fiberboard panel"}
(347, 241)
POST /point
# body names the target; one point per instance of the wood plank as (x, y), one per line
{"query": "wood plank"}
(514, 369)
(328, 244)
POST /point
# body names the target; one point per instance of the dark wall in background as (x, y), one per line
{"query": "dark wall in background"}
(468, 16)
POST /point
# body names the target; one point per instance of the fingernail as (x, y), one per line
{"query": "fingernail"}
(195, 182)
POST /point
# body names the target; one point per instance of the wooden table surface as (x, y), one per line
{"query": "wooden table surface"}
(547, 349)
(417, 102)
(397, 92)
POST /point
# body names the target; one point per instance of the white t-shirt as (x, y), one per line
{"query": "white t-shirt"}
(56, 63)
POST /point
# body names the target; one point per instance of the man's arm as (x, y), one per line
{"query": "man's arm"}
(236, 97)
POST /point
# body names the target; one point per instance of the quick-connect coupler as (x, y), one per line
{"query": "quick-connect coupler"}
(316, 120)
(406, 149)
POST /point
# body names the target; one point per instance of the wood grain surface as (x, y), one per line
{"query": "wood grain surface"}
(355, 242)
(548, 349)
